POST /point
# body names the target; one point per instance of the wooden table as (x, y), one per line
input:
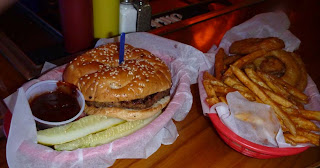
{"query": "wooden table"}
(198, 144)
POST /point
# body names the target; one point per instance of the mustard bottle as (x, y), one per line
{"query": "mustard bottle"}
(105, 18)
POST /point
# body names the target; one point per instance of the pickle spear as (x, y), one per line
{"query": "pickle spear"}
(74, 130)
(106, 136)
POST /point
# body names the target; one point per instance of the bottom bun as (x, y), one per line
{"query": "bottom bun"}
(128, 114)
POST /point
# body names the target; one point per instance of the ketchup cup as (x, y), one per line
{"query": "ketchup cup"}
(50, 113)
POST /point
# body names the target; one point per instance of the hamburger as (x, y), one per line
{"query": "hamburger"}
(136, 89)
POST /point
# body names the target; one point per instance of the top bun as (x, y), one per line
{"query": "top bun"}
(100, 78)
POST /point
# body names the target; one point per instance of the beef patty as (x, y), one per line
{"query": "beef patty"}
(133, 104)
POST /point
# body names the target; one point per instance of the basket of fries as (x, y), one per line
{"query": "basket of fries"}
(263, 69)
(282, 89)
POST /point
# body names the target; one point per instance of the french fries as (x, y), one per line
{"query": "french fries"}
(292, 90)
(239, 73)
(314, 138)
(231, 59)
(295, 139)
(255, 78)
(255, 89)
(212, 101)
(219, 66)
(223, 99)
(245, 60)
(209, 89)
(304, 123)
(278, 99)
(276, 88)
(311, 115)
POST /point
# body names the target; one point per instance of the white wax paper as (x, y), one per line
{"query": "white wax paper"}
(261, 119)
(273, 24)
(184, 62)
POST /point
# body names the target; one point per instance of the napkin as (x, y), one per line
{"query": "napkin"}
(184, 62)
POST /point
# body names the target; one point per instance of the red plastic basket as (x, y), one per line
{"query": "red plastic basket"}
(249, 148)
(6, 123)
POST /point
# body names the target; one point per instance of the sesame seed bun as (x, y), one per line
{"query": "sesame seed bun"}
(101, 79)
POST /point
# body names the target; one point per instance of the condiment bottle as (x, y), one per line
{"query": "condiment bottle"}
(144, 15)
(128, 17)
(76, 21)
(105, 18)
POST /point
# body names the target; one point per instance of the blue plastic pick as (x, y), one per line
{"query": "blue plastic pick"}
(122, 42)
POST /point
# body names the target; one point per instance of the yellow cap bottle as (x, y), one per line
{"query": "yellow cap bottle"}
(105, 18)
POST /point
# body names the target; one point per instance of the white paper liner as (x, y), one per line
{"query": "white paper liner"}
(184, 62)
(273, 24)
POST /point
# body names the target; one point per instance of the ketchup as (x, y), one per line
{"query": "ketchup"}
(55, 106)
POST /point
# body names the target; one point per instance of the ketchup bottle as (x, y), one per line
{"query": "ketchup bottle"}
(77, 24)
